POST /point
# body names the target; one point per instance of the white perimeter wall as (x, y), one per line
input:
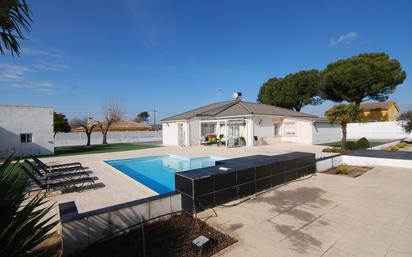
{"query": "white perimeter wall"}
(376, 130)
(80, 138)
(15, 120)
(324, 132)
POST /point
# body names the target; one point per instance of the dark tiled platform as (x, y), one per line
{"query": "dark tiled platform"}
(400, 155)
(206, 187)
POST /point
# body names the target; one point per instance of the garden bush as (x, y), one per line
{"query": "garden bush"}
(394, 148)
(362, 143)
(333, 150)
(350, 145)
(342, 169)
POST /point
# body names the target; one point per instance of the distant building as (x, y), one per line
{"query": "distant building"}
(123, 125)
(380, 111)
(26, 130)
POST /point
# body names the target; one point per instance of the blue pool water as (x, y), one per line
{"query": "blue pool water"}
(158, 172)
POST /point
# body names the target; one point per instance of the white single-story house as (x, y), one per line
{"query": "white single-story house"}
(26, 130)
(253, 122)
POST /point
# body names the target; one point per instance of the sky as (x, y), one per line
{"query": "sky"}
(173, 56)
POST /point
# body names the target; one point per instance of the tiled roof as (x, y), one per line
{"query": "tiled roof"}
(237, 108)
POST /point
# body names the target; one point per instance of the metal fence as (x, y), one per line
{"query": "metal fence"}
(80, 138)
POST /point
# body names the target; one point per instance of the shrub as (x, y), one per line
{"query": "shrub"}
(363, 143)
(25, 221)
(402, 145)
(333, 150)
(342, 169)
(386, 148)
(350, 145)
(394, 148)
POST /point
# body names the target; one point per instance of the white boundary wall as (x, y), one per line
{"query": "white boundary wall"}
(376, 130)
(81, 230)
(80, 138)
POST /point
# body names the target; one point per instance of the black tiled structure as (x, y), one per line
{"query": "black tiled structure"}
(239, 177)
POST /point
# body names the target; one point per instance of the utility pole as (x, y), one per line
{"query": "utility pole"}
(154, 119)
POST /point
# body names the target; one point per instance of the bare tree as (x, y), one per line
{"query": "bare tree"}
(113, 112)
(87, 124)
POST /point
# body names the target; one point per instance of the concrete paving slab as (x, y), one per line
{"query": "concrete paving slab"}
(328, 215)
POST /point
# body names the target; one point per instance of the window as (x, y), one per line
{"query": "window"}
(26, 138)
(233, 131)
(277, 129)
(208, 129)
(289, 129)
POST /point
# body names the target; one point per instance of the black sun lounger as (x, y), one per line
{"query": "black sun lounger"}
(54, 166)
(59, 168)
(71, 185)
(43, 173)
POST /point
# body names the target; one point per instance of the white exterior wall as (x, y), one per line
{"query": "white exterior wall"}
(376, 130)
(324, 132)
(169, 133)
(194, 132)
(15, 120)
(304, 135)
(263, 127)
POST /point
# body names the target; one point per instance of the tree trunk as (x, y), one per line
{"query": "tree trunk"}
(104, 137)
(343, 125)
(88, 134)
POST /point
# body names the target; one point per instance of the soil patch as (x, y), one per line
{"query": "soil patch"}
(167, 238)
(347, 170)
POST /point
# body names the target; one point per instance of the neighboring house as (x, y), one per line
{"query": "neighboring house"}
(235, 119)
(26, 130)
(123, 125)
(380, 111)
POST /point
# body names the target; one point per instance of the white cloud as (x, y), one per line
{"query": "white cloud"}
(13, 76)
(343, 39)
(12, 72)
(41, 53)
(40, 86)
(51, 66)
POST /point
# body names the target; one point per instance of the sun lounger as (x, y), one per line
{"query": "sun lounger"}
(43, 173)
(57, 166)
(66, 185)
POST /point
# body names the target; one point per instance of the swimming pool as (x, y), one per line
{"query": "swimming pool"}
(158, 172)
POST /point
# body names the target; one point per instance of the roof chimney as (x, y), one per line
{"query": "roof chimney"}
(237, 96)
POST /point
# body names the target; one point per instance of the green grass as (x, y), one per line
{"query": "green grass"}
(339, 143)
(81, 149)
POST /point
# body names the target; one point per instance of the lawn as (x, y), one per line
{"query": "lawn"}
(339, 143)
(81, 149)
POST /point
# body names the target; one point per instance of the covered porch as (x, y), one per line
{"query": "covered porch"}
(229, 132)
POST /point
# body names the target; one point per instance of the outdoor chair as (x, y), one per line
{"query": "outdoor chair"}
(68, 167)
(66, 186)
(232, 142)
(43, 173)
(205, 141)
(57, 166)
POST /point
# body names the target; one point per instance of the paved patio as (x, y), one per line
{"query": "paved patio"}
(324, 215)
(121, 188)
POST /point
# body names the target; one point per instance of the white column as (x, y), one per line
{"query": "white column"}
(250, 133)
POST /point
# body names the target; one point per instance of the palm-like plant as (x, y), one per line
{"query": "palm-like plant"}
(14, 18)
(23, 220)
(343, 114)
